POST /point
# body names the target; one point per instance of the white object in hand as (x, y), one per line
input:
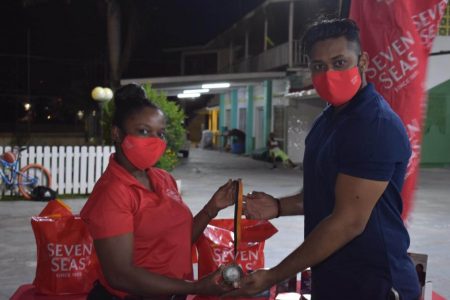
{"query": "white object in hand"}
(232, 274)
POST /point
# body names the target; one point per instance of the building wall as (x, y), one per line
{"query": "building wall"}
(436, 136)
(294, 116)
(300, 118)
(438, 65)
(278, 91)
(196, 127)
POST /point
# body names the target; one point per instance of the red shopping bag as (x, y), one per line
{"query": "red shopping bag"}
(66, 260)
(215, 245)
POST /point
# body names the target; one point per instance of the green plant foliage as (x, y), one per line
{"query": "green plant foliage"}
(168, 161)
(108, 112)
(175, 132)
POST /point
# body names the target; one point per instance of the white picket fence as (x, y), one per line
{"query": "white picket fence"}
(74, 169)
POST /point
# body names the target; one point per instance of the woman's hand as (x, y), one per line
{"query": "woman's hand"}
(225, 196)
(213, 284)
(260, 206)
(222, 198)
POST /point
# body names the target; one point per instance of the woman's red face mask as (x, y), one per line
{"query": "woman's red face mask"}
(143, 152)
(142, 142)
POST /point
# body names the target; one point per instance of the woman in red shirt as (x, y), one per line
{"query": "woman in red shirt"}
(143, 232)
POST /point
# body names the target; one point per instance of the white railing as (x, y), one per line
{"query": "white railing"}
(300, 58)
(74, 169)
(272, 58)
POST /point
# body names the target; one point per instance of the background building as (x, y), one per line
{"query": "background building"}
(261, 57)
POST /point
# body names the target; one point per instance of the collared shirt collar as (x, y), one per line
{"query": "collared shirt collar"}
(123, 175)
(359, 98)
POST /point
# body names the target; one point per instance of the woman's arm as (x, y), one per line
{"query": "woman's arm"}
(116, 259)
(202, 219)
(222, 198)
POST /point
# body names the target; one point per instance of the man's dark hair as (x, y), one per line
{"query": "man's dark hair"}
(331, 28)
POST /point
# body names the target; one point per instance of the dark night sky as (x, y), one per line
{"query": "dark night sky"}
(76, 28)
(68, 32)
(67, 40)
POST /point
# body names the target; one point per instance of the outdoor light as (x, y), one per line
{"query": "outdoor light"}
(102, 94)
(108, 93)
(80, 114)
(27, 106)
(196, 91)
(220, 85)
(98, 93)
(190, 95)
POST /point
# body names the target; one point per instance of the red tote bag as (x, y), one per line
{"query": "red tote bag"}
(66, 260)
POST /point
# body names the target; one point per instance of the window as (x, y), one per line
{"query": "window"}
(444, 28)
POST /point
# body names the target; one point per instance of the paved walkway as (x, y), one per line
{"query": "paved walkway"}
(202, 174)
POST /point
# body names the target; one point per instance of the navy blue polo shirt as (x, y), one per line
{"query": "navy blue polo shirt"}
(365, 139)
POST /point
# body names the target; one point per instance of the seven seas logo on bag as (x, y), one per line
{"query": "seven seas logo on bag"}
(248, 258)
(69, 258)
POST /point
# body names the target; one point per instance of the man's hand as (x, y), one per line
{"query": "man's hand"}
(252, 284)
(260, 206)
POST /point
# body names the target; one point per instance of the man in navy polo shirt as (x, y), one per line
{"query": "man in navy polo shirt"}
(354, 167)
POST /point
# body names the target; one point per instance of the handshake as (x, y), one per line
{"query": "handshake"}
(236, 283)
(230, 281)
(228, 242)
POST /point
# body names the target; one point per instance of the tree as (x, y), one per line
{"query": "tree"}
(120, 52)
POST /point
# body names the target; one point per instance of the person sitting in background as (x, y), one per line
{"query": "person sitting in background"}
(143, 232)
(275, 152)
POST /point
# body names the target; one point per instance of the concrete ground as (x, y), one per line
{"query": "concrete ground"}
(201, 174)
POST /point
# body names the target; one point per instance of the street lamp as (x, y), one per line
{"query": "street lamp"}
(101, 95)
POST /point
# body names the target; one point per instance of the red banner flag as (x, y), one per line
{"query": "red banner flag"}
(398, 35)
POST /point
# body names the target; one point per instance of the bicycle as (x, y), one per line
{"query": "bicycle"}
(26, 178)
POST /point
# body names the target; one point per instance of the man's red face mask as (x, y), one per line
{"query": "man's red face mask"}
(337, 87)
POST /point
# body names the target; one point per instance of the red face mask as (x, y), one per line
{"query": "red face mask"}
(337, 87)
(143, 152)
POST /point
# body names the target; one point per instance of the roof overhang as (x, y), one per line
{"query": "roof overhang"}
(176, 84)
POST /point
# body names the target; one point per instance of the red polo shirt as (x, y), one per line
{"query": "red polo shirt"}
(160, 221)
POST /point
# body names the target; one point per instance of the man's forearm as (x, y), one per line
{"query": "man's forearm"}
(328, 237)
(291, 205)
